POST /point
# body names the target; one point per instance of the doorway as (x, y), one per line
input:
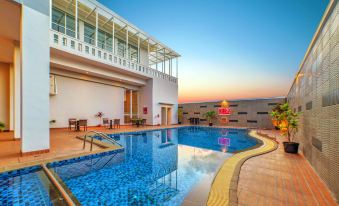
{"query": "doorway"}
(166, 116)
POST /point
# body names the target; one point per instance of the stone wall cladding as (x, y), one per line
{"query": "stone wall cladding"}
(318, 82)
(253, 113)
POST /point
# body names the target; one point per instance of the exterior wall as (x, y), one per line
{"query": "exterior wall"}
(244, 113)
(165, 93)
(315, 93)
(83, 99)
(4, 94)
(146, 100)
(157, 93)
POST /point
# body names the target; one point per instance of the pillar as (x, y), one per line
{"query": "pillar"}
(11, 97)
(35, 69)
(17, 92)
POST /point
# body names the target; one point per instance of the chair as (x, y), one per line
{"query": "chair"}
(116, 123)
(143, 122)
(82, 123)
(72, 122)
(105, 122)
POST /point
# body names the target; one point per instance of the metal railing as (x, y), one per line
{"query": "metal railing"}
(62, 41)
(100, 134)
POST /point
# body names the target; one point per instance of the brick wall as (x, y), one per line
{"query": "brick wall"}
(244, 113)
(315, 93)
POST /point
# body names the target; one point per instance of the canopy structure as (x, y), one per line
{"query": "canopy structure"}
(102, 18)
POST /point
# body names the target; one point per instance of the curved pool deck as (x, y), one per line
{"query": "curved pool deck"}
(224, 187)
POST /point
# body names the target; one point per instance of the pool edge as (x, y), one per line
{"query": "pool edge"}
(225, 184)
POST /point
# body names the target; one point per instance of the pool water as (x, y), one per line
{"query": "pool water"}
(155, 167)
(28, 186)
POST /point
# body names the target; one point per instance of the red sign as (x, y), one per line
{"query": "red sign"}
(144, 110)
(224, 111)
(224, 141)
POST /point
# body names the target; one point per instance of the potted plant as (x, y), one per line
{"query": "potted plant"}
(275, 116)
(210, 115)
(288, 124)
(99, 115)
(180, 116)
(2, 126)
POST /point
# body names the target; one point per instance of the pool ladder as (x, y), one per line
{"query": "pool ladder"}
(100, 134)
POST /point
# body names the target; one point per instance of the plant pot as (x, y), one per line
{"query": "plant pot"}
(276, 128)
(291, 147)
(210, 124)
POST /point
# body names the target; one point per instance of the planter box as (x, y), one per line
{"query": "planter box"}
(291, 147)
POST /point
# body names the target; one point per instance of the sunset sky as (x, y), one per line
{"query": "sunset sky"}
(230, 49)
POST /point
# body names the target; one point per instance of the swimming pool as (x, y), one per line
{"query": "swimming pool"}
(29, 186)
(155, 168)
(159, 167)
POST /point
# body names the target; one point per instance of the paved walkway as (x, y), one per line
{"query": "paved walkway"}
(63, 145)
(278, 178)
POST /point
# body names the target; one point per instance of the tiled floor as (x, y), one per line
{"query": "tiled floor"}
(63, 144)
(278, 178)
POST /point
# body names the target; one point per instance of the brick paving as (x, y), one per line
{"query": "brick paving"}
(278, 178)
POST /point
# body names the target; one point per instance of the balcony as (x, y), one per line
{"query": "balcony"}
(66, 43)
(90, 30)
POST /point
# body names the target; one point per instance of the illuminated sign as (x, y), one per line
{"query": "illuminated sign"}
(224, 141)
(224, 111)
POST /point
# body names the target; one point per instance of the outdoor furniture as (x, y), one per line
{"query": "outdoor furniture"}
(72, 122)
(82, 123)
(106, 122)
(143, 122)
(116, 123)
(137, 122)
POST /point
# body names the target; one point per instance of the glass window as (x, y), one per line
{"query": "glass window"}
(133, 53)
(120, 45)
(89, 33)
(58, 20)
(70, 26)
(109, 42)
(101, 39)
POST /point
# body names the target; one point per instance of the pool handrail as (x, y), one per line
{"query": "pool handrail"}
(102, 135)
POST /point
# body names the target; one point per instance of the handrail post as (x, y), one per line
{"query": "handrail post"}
(84, 142)
(92, 143)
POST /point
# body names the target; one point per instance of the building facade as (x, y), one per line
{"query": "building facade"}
(315, 94)
(252, 113)
(64, 59)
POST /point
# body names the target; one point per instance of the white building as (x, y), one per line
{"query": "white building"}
(64, 59)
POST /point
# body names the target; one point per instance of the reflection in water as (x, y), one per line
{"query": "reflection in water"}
(155, 168)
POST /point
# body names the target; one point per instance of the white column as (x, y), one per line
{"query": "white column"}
(164, 67)
(127, 56)
(170, 67)
(35, 67)
(11, 97)
(96, 27)
(50, 13)
(138, 49)
(177, 67)
(113, 36)
(148, 52)
(76, 19)
(130, 102)
(156, 58)
(17, 92)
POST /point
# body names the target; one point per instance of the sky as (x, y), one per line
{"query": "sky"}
(230, 49)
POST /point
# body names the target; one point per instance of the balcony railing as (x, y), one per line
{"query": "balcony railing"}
(64, 42)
